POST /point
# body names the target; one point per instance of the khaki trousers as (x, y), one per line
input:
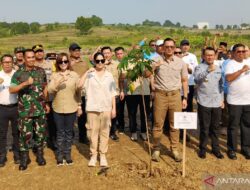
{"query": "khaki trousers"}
(98, 127)
(166, 102)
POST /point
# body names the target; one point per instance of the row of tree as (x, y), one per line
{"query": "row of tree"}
(167, 23)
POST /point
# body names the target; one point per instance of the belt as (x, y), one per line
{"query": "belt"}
(168, 93)
(8, 105)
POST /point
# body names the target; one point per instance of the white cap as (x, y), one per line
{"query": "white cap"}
(159, 42)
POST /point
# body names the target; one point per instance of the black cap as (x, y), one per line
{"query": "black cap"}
(74, 46)
(184, 42)
(19, 49)
(223, 44)
(37, 48)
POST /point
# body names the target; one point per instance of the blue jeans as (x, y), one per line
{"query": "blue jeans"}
(64, 133)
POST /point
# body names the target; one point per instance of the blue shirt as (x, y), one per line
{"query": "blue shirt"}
(223, 70)
(209, 86)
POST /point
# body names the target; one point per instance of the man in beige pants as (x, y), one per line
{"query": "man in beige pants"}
(170, 76)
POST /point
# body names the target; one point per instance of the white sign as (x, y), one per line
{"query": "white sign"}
(185, 120)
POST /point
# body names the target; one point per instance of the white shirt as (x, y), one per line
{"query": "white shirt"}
(99, 92)
(5, 97)
(239, 89)
(192, 62)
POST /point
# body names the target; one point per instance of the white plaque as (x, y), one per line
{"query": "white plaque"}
(185, 120)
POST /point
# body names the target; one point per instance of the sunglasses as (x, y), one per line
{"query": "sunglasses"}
(178, 52)
(169, 47)
(243, 51)
(100, 61)
(65, 62)
(153, 45)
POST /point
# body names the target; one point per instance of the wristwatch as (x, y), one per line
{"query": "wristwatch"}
(185, 98)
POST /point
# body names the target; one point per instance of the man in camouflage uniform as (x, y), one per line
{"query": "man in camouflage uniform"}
(19, 62)
(80, 67)
(49, 68)
(30, 84)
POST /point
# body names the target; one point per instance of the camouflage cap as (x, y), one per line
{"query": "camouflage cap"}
(38, 47)
(19, 49)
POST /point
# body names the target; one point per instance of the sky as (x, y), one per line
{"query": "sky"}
(187, 12)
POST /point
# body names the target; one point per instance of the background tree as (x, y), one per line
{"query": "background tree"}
(83, 24)
(35, 27)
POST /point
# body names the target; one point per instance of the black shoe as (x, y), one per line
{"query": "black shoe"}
(16, 157)
(114, 137)
(202, 154)
(231, 154)
(218, 154)
(3, 160)
(246, 154)
(24, 160)
(59, 163)
(69, 162)
(39, 157)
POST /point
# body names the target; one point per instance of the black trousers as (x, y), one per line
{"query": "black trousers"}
(51, 128)
(64, 126)
(209, 119)
(113, 128)
(190, 99)
(133, 101)
(239, 117)
(8, 114)
(82, 122)
(120, 115)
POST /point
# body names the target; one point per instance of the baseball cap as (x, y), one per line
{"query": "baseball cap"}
(19, 49)
(38, 47)
(184, 42)
(74, 46)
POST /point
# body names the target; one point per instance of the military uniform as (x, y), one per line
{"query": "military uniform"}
(31, 106)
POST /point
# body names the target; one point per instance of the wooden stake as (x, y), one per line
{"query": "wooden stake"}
(184, 153)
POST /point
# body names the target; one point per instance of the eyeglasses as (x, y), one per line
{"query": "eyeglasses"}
(242, 51)
(65, 62)
(153, 45)
(169, 47)
(100, 61)
(177, 52)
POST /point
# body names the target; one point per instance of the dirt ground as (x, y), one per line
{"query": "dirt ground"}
(128, 163)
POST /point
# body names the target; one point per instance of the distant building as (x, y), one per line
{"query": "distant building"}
(203, 25)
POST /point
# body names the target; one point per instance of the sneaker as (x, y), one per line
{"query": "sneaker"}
(103, 161)
(92, 162)
(121, 132)
(114, 137)
(134, 137)
(176, 156)
(60, 163)
(69, 162)
(143, 136)
(156, 156)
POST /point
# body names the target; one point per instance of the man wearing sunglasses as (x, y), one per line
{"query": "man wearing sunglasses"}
(238, 98)
(170, 76)
(80, 67)
(49, 68)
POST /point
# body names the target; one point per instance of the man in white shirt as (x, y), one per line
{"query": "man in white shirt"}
(238, 98)
(8, 110)
(191, 61)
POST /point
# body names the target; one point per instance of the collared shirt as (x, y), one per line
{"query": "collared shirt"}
(209, 86)
(67, 96)
(238, 90)
(79, 66)
(192, 62)
(168, 76)
(5, 97)
(99, 92)
(31, 100)
(48, 67)
(112, 67)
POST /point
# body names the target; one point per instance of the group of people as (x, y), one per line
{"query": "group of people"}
(43, 97)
